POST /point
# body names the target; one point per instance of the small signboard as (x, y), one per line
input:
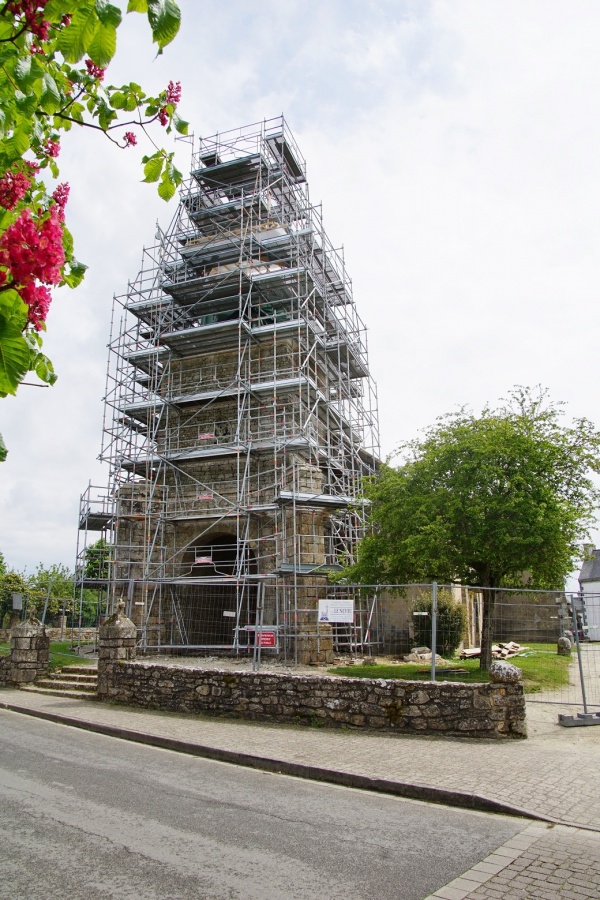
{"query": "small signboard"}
(336, 610)
(206, 436)
(207, 496)
(17, 601)
(266, 639)
(202, 560)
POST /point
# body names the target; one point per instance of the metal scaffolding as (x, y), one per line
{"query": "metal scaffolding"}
(240, 416)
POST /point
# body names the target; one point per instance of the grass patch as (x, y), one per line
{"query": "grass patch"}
(542, 670)
(62, 654)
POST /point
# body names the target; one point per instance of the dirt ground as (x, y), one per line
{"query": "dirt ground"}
(267, 663)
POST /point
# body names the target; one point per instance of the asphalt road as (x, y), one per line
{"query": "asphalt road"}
(89, 817)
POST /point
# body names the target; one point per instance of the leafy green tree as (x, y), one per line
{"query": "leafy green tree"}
(486, 500)
(53, 584)
(53, 59)
(97, 559)
(10, 582)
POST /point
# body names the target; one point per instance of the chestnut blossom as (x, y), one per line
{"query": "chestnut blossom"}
(13, 187)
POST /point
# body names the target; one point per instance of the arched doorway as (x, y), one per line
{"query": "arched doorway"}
(221, 596)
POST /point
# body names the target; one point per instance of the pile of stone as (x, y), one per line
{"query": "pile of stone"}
(499, 651)
(421, 654)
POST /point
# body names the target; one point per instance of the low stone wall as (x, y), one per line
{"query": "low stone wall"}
(476, 710)
(5, 667)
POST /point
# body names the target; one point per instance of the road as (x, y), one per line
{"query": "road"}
(88, 816)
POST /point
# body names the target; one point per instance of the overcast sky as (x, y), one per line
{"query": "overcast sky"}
(455, 147)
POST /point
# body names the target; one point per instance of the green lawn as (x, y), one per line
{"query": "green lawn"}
(542, 669)
(61, 654)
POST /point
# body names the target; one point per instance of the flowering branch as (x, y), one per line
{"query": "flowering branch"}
(53, 61)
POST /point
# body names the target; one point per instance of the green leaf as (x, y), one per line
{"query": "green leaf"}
(50, 99)
(19, 143)
(103, 46)
(44, 369)
(76, 112)
(106, 115)
(56, 9)
(76, 275)
(165, 18)
(74, 40)
(15, 354)
(26, 104)
(67, 242)
(23, 68)
(119, 100)
(108, 14)
(3, 450)
(153, 167)
(167, 186)
(140, 6)
(180, 124)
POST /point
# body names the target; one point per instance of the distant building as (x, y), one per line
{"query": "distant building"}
(589, 585)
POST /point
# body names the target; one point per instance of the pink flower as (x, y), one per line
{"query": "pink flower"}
(32, 250)
(94, 70)
(60, 197)
(163, 116)
(130, 139)
(52, 148)
(31, 12)
(13, 187)
(38, 299)
(174, 93)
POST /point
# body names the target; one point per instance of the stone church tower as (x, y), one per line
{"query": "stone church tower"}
(240, 415)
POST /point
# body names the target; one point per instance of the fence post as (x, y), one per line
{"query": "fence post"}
(29, 650)
(577, 606)
(116, 644)
(434, 596)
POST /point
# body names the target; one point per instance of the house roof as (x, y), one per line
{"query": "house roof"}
(590, 570)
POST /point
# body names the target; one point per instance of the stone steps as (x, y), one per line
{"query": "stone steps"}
(79, 682)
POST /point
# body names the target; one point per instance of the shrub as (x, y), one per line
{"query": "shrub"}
(451, 622)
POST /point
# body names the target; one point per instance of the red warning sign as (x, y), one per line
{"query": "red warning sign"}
(266, 639)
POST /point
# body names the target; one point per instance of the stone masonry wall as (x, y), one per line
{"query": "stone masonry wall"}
(5, 666)
(29, 655)
(476, 710)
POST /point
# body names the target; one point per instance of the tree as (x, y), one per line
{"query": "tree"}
(51, 585)
(485, 500)
(97, 559)
(53, 58)
(10, 583)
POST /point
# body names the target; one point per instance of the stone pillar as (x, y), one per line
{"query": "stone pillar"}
(116, 643)
(29, 650)
(314, 640)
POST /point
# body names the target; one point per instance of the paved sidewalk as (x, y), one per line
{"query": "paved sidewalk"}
(553, 775)
(545, 862)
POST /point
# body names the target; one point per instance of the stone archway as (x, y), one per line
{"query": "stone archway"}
(220, 598)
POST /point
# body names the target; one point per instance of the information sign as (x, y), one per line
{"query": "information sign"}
(336, 610)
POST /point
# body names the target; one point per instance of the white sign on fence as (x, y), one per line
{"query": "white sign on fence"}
(336, 610)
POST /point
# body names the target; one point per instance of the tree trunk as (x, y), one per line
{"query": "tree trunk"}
(489, 599)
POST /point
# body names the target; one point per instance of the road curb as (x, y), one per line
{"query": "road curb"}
(409, 790)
